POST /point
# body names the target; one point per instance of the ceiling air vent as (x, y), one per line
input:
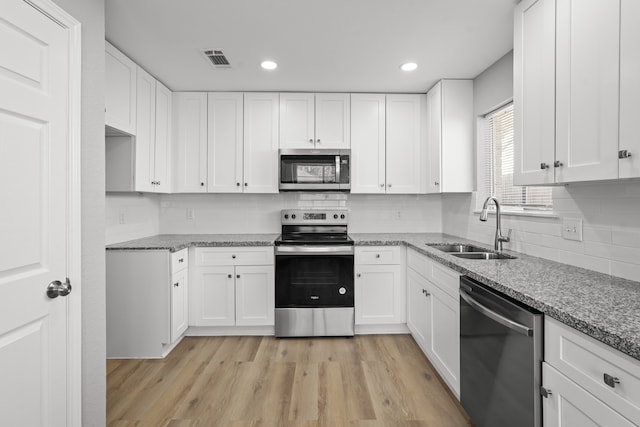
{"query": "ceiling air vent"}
(217, 58)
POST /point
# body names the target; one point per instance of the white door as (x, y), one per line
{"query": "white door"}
(587, 101)
(225, 142)
(417, 308)
(34, 137)
(190, 141)
(629, 165)
(297, 121)
(212, 298)
(179, 303)
(445, 336)
(255, 295)
(261, 112)
(163, 138)
(378, 294)
(333, 120)
(434, 138)
(368, 143)
(145, 138)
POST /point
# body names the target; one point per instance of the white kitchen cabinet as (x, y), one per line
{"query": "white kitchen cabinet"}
(588, 380)
(570, 405)
(379, 288)
(406, 144)
(319, 120)
(433, 314)
(120, 91)
(260, 158)
(629, 165)
(152, 134)
(450, 137)
(190, 142)
(232, 287)
(146, 311)
(368, 144)
(224, 147)
(566, 91)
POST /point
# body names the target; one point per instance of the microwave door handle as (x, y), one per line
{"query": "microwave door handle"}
(514, 326)
(338, 170)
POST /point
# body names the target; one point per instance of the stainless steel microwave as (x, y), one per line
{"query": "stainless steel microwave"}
(314, 170)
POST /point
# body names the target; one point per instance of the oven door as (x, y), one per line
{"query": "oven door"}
(314, 276)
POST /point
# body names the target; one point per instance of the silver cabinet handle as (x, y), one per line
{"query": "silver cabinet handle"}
(233, 256)
(436, 183)
(426, 292)
(377, 255)
(311, 140)
(389, 185)
(237, 184)
(175, 285)
(237, 276)
(514, 326)
(545, 392)
(181, 260)
(359, 275)
(246, 184)
(557, 164)
(58, 289)
(623, 154)
(381, 185)
(318, 140)
(229, 276)
(610, 380)
(544, 166)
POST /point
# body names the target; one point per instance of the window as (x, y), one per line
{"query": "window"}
(496, 166)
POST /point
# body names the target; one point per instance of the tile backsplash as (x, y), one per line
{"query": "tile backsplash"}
(610, 212)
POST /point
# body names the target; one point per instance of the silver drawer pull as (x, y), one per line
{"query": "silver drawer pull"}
(611, 381)
(545, 392)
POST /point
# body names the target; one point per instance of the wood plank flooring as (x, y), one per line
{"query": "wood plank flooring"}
(368, 380)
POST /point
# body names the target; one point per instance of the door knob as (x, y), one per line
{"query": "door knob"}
(58, 289)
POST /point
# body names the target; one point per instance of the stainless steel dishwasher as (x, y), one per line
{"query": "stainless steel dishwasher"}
(500, 358)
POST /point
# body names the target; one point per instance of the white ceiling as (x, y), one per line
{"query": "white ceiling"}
(319, 45)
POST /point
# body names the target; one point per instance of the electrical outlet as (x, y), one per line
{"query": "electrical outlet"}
(572, 229)
(121, 218)
(191, 214)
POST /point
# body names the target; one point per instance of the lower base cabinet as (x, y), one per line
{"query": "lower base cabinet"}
(234, 294)
(146, 302)
(433, 314)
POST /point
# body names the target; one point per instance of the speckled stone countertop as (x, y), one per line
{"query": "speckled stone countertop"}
(175, 242)
(604, 307)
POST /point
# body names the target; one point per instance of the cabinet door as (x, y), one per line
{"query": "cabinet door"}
(120, 91)
(145, 131)
(255, 295)
(225, 142)
(163, 138)
(434, 138)
(587, 78)
(368, 144)
(212, 297)
(190, 141)
(179, 304)
(378, 294)
(456, 143)
(333, 124)
(445, 336)
(405, 145)
(417, 310)
(534, 91)
(261, 113)
(297, 122)
(570, 405)
(629, 167)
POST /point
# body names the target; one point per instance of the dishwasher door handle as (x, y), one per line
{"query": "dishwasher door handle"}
(514, 326)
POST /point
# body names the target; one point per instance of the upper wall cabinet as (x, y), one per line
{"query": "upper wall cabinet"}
(190, 142)
(406, 144)
(315, 120)
(368, 159)
(243, 142)
(120, 91)
(629, 166)
(153, 132)
(572, 67)
(450, 137)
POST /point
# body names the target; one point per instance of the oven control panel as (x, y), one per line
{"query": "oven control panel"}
(314, 216)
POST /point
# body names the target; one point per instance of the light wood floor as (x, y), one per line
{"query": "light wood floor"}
(368, 380)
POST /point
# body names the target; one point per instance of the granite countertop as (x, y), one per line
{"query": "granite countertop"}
(604, 307)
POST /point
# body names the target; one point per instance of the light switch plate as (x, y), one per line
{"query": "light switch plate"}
(572, 229)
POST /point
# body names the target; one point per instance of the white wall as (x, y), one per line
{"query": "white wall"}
(131, 216)
(260, 213)
(90, 13)
(610, 211)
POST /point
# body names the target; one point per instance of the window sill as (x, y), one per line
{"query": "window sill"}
(535, 214)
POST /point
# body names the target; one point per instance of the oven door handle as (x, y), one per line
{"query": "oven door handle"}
(514, 326)
(314, 250)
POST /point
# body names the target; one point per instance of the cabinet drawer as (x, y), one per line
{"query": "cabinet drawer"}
(377, 255)
(445, 278)
(262, 255)
(179, 260)
(587, 361)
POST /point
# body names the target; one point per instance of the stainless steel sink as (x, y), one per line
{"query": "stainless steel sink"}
(457, 247)
(482, 255)
(465, 251)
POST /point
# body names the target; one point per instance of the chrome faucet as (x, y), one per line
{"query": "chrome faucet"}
(497, 245)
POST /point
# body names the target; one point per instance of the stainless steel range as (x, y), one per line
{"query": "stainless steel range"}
(314, 274)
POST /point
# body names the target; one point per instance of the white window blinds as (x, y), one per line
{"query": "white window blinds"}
(497, 165)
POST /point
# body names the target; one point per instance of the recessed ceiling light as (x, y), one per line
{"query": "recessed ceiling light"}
(408, 66)
(268, 65)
